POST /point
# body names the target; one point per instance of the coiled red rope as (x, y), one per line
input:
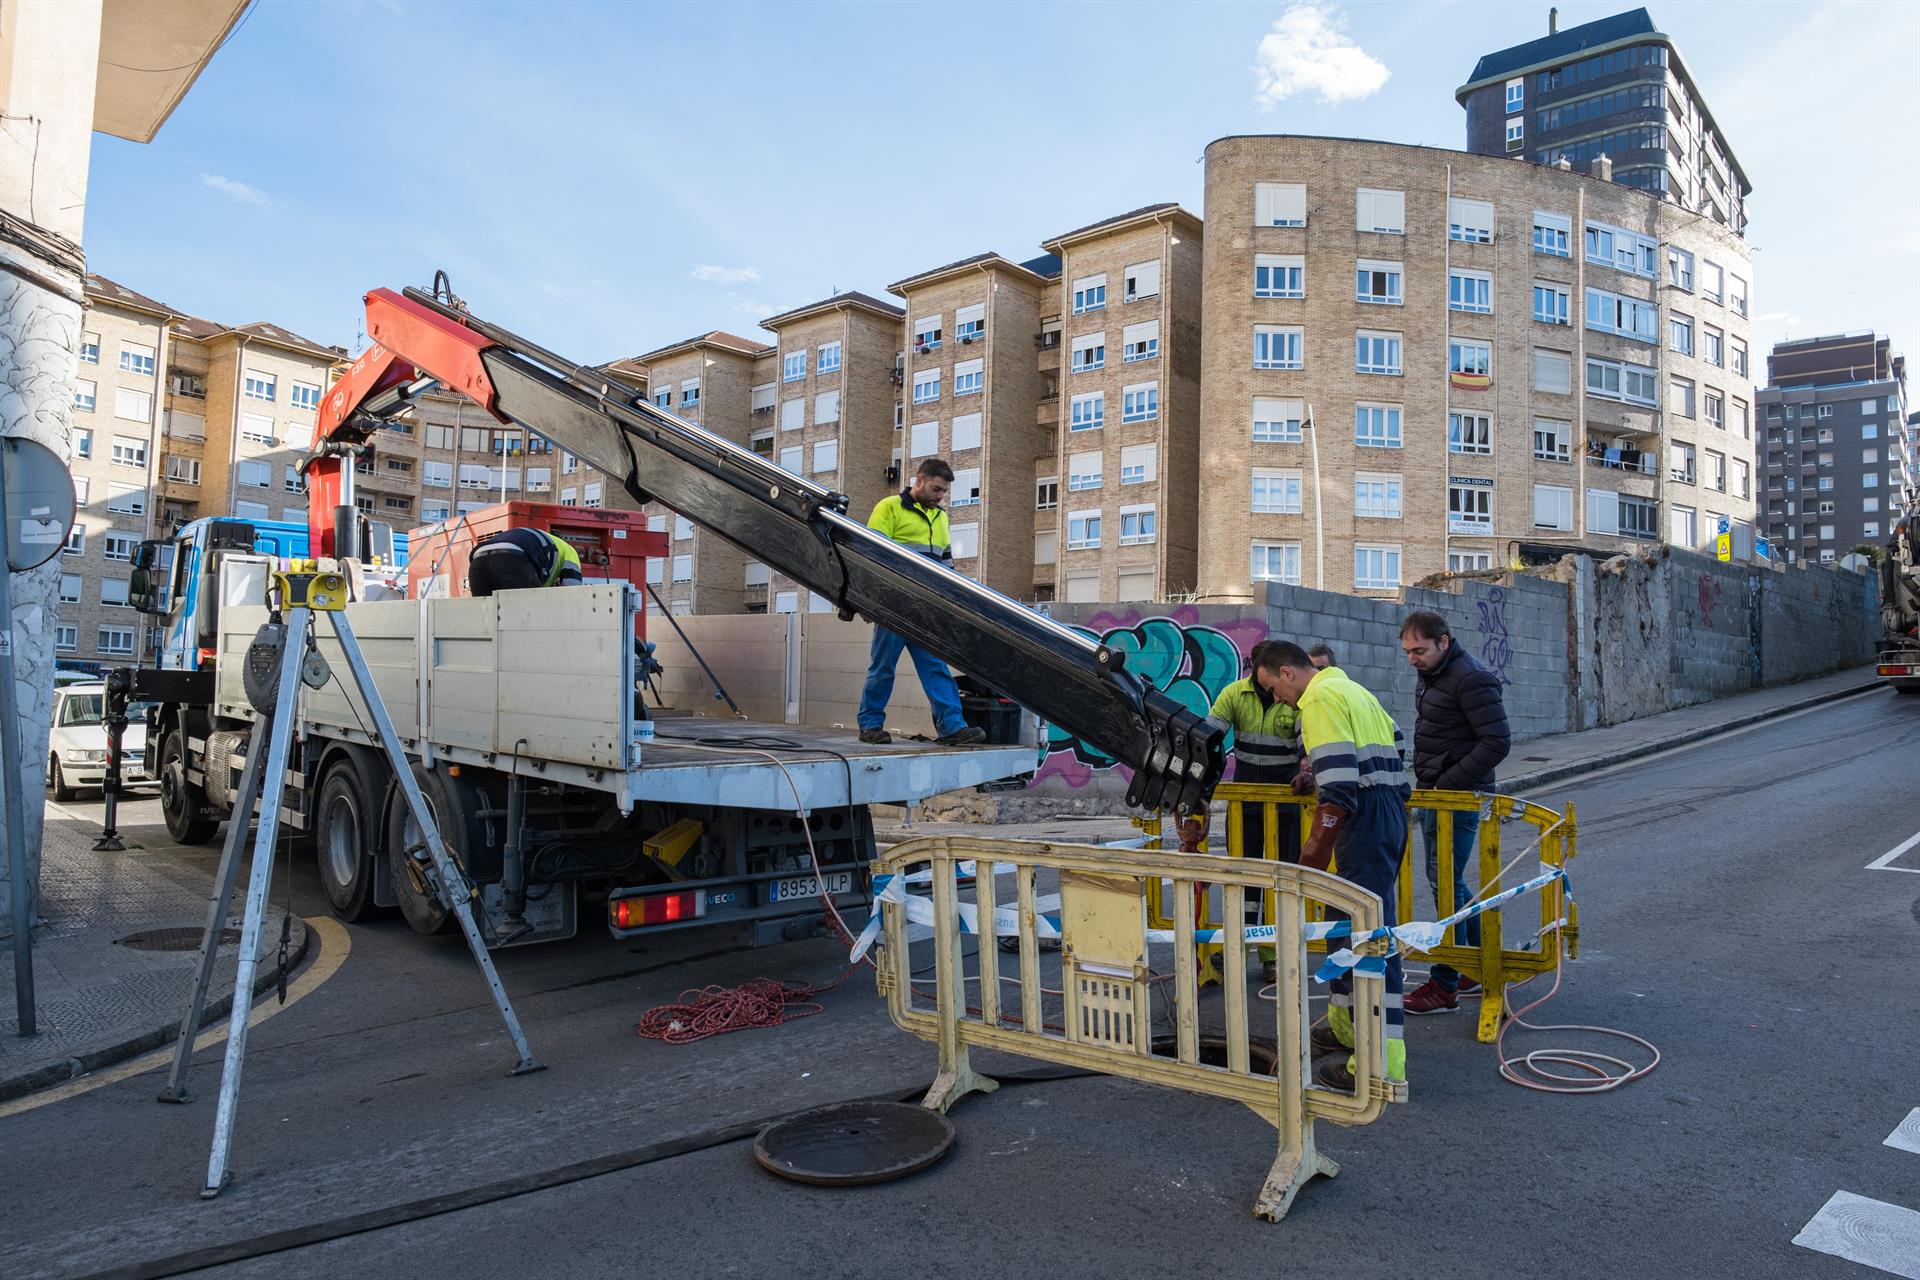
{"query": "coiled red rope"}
(714, 1011)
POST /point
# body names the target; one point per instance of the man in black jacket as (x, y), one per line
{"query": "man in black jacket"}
(1458, 739)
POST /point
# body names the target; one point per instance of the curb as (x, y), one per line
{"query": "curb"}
(1593, 764)
(34, 1079)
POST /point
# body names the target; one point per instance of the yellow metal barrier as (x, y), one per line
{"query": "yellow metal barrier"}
(1493, 963)
(1106, 992)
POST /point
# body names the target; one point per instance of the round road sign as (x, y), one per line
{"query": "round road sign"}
(39, 503)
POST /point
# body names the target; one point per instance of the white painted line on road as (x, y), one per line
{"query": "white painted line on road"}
(1907, 1136)
(1882, 862)
(1870, 1232)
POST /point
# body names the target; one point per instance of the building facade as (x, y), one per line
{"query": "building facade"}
(1616, 88)
(1414, 359)
(1838, 466)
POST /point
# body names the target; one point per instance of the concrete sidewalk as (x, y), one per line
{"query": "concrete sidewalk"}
(101, 994)
(1534, 764)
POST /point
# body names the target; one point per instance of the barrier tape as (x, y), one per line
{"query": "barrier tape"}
(1414, 936)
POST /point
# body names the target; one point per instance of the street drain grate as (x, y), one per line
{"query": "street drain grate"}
(175, 939)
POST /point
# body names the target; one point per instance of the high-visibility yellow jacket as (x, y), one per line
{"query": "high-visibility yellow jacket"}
(1266, 742)
(1355, 747)
(912, 524)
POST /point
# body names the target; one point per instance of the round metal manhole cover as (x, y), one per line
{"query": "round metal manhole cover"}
(175, 939)
(852, 1144)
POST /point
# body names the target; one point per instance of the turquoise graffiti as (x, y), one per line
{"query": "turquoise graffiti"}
(1188, 661)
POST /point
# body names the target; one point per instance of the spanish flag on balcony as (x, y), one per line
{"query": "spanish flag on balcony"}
(1471, 381)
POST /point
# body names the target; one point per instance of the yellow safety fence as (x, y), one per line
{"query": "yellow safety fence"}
(1106, 996)
(1494, 963)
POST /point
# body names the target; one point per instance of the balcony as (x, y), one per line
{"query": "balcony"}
(1639, 462)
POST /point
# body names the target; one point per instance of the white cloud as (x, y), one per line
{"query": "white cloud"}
(726, 275)
(1307, 52)
(236, 190)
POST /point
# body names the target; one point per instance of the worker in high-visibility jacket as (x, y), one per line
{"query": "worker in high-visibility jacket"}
(520, 558)
(1266, 749)
(1360, 771)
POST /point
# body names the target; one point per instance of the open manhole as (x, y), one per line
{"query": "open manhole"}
(1262, 1057)
(175, 939)
(852, 1144)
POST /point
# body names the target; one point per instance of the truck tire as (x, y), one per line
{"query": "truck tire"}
(58, 780)
(182, 804)
(418, 905)
(346, 828)
(1907, 688)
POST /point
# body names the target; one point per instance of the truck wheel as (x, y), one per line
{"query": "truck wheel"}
(346, 826)
(418, 904)
(182, 803)
(1907, 688)
(58, 780)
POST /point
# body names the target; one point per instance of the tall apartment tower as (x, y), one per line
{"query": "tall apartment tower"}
(1837, 467)
(1617, 88)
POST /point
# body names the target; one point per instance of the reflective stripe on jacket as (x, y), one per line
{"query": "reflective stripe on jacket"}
(912, 524)
(1266, 743)
(1354, 745)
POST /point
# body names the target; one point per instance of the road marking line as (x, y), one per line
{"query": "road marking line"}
(1906, 1137)
(335, 944)
(1880, 863)
(1869, 1232)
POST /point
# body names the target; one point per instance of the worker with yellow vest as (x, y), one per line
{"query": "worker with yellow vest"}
(520, 558)
(915, 518)
(1266, 749)
(1359, 765)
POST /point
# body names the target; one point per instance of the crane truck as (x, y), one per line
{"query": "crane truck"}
(541, 767)
(1899, 661)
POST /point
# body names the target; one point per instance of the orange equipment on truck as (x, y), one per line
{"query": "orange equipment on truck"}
(614, 546)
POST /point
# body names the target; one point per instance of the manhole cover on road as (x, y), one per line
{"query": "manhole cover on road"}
(175, 939)
(851, 1144)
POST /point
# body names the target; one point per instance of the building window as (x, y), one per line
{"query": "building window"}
(1376, 567)
(1279, 204)
(1089, 294)
(1276, 492)
(85, 394)
(119, 546)
(1679, 268)
(1628, 317)
(71, 585)
(1090, 352)
(1742, 479)
(593, 495)
(1680, 463)
(1376, 496)
(1716, 471)
(968, 376)
(926, 336)
(1639, 518)
(826, 457)
(1083, 530)
(76, 543)
(1469, 508)
(1380, 211)
(116, 641)
(690, 393)
(1625, 250)
(1470, 291)
(1552, 234)
(1141, 280)
(1742, 419)
(1683, 527)
(793, 366)
(1552, 507)
(1377, 282)
(664, 398)
(966, 432)
(436, 475)
(1470, 221)
(1516, 133)
(130, 451)
(1376, 352)
(1469, 433)
(793, 458)
(1613, 380)
(127, 499)
(82, 442)
(89, 348)
(965, 545)
(1824, 411)
(260, 386)
(1716, 407)
(1139, 463)
(1475, 359)
(66, 636)
(1516, 94)
(1275, 347)
(305, 395)
(1141, 403)
(1737, 295)
(254, 474)
(1468, 561)
(1552, 441)
(1277, 421)
(1277, 276)
(970, 324)
(1142, 342)
(1137, 525)
(1083, 472)
(1276, 562)
(1551, 302)
(923, 439)
(1713, 346)
(392, 503)
(926, 386)
(1679, 333)
(1046, 493)
(1680, 399)
(828, 358)
(1376, 426)
(133, 406)
(683, 569)
(135, 358)
(793, 413)
(1869, 431)
(1087, 411)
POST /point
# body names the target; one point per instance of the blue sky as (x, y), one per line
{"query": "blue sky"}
(607, 178)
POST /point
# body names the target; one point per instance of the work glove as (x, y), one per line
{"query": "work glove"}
(1327, 821)
(1303, 780)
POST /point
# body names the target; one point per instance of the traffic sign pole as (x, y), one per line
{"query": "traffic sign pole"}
(17, 889)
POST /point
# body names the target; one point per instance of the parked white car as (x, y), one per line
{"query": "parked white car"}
(77, 752)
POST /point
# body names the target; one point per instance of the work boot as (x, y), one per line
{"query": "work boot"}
(876, 736)
(1431, 997)
(1324, 1041)
(1337, 1076)
(963, 737)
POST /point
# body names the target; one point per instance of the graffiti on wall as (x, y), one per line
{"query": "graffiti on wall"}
(1496, 650)
(1189, 661)
(1709, 588)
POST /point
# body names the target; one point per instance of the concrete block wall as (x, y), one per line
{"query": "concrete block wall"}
(1712, 648)
(1843, 608)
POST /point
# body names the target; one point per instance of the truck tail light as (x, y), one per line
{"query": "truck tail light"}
(666, 907)
(1893, 669)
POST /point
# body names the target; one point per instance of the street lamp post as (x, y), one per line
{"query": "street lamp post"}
(1319, 525)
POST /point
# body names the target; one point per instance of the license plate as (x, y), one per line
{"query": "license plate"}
(809, 886)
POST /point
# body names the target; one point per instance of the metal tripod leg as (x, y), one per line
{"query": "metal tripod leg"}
(238, 826)
(279, 740)
(453, 885)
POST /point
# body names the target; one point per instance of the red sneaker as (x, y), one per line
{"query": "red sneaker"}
(1431, 997)
(1468, 986)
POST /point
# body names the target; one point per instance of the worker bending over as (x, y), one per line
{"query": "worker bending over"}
(1360, 770)
(514, 559)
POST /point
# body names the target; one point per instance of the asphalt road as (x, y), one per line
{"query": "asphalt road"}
(1728, 915)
